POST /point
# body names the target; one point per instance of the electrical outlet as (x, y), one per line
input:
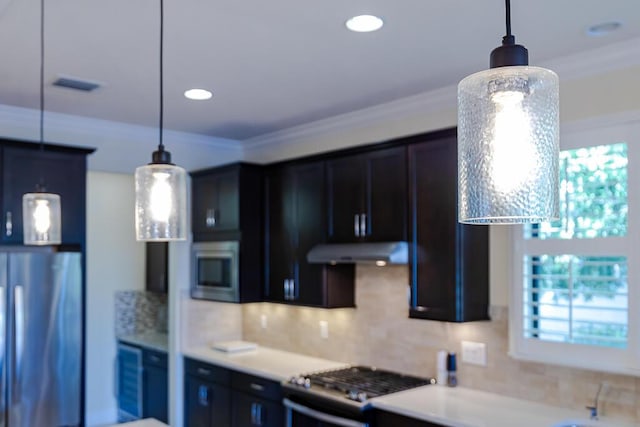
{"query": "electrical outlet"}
(263, 321)
(474, 353)
(324, 329)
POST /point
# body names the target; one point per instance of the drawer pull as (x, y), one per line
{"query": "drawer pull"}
(257, 387)
(203, 371)
(154, 358)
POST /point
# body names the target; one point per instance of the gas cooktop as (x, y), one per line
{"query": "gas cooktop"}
(357, 384)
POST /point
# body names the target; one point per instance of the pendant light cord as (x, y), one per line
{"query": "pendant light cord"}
(507, 4)
(161, 145)
(41, 75)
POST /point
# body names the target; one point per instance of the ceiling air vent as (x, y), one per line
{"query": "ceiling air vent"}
(77, 84)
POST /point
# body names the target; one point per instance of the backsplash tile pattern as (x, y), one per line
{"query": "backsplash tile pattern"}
(380, 333)
(138, 312)
(205, 322)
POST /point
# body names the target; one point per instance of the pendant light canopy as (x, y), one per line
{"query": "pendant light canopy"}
(508, 133)
(41, 211)
(161, 186)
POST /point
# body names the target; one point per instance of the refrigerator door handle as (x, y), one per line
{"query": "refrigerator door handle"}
(18, 302)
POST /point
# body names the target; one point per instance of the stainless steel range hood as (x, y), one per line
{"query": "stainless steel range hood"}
(379, 253)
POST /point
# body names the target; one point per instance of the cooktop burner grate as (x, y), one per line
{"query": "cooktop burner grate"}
(373, 382)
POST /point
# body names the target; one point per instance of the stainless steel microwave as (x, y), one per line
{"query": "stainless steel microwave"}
(215, 271)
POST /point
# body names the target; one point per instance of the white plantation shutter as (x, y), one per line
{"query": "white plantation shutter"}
(575, 301)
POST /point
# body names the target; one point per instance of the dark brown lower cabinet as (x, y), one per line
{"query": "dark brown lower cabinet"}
(207, 404)
(388, 419)
(155, 385)
(249, 410)
(219, 397)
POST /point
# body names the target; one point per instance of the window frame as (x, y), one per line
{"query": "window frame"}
(585, 134)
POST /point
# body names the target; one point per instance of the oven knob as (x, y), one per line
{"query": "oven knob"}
(362, 396)
(307, 383)
(352, 395)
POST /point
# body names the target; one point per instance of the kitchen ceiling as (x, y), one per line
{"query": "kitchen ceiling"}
(274, 64)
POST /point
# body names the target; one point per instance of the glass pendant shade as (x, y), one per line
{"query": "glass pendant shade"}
(161, 202)
(41, 218)
(508, 146)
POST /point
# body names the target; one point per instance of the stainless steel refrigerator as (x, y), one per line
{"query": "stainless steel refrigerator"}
(40, 338)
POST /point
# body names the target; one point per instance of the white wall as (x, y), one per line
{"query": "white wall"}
(115, 261)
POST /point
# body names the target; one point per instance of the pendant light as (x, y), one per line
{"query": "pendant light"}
(508, 132)
(41, 211)
(161, 186)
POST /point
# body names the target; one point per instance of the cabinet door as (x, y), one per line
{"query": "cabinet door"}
(346, 190)
(253, 411)
(227, 214)
(155, 394)
(310, 221)
(207, 404)
(450, 274)
(157, 257)
(62, 173)
(386, 193)
(215, 201)
(280, 224)
(434, 194)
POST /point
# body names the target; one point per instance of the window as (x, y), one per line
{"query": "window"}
(573, 296)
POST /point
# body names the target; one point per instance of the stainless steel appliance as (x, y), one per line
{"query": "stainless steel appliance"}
(215, 271)
(341, 397)
(40, 338)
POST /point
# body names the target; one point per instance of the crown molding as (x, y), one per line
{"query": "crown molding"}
(596, 61)
(23, 123)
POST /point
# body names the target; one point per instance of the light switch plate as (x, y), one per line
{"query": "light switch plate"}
(474, 353)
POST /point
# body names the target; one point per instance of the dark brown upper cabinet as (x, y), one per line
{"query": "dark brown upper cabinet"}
(63, 170)
(296, 221)
(226, 202)
(367, 196)
(449, 261)
(156, 271)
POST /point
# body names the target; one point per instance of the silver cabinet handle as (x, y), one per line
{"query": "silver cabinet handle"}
(210, 219)
(363, 224)
(203, 395)
(256, 414)
(257, 387)
(9, 224)
(356, 225)
(285, 286)
(203, 371)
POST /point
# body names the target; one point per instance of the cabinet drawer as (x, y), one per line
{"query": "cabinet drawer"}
(155, 358)
(256, 386)
(208, 372)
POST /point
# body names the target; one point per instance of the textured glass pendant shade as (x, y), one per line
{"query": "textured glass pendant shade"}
(41, 218)
(508, 146)
(161, 202)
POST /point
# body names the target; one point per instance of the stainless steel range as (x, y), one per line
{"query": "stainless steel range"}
(342, 397)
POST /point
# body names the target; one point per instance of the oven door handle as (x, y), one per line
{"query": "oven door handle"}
(320, 416)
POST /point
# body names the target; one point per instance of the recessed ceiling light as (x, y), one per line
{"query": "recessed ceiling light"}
(364, 23)
(603, 28)
(198, 94)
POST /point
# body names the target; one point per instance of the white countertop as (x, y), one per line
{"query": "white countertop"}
(463, 407)
(149, 422)
(152, 340)
(265, 362)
